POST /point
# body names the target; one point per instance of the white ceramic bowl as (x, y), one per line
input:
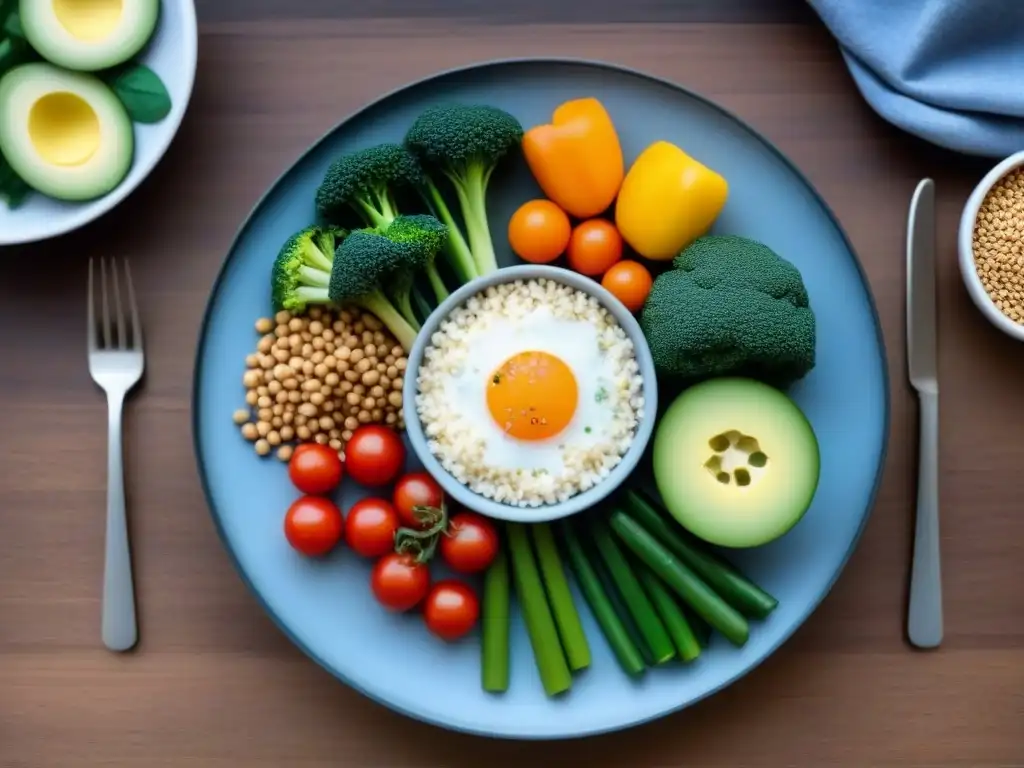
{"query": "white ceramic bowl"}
(172, 54)
(965, 246)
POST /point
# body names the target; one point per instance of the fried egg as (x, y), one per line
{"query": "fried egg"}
(531, 385)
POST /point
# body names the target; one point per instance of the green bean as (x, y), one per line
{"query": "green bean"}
(615, 632)
(675, 622)
(684, 582)
(567, 620)
(632, 593)
(547, 650)
(495, 625)
(731, 585)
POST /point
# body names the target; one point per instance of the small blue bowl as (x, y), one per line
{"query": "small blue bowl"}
(583, 500)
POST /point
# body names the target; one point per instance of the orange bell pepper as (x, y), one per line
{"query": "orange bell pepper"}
(667, 200)
(577, 158)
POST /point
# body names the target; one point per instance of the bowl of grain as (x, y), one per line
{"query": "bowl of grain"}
(991, 246)
(530, 394)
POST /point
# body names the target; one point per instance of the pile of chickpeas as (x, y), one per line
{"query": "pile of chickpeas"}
(317, 377)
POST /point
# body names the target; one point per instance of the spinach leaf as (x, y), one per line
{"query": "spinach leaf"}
(12, 188)
(142, 92)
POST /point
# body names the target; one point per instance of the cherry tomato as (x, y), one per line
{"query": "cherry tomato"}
(470, 544)
(594, 246)
(451, 609)
(370, 527)
(417, 489)
(399, 582)
(374, 455)
(315, 469)
(313, 525)
(629, 282)
(539, 231)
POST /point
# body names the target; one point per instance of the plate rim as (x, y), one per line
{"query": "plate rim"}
(599, 64)
(96, 209)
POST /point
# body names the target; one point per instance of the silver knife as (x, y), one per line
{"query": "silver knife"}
(924, 616)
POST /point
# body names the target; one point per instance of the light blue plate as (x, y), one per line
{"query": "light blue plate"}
(327, 609)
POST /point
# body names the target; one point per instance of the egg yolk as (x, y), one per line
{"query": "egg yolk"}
(532, 396)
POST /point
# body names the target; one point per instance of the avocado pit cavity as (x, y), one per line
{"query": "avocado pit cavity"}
(736, 459)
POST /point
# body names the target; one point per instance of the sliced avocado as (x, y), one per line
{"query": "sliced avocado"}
(66, 134)
(88, 35)
(736, 461)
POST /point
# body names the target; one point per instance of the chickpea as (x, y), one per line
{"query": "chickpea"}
(321, 438)
(377, 392)
(363, 416)
(395, 398)
(284, 453)
(249, 431)
(251, 397)
(240, 416)
(376, 414)
(287, 433)
(331, 379)
(335, 443)
(351, 423)
(264, 325)
(303, 433)
(281, 331)
(262, 447)
(356, 355)
(252, 378)
(317, 398)
(277, 422)
(265, 345)
(390, 418)
(265, 414)
(274, 437)
(326, 423)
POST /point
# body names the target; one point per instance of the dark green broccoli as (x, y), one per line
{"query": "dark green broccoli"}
(464, 142)
(730, 306)
(302, 268)
(427, 233)
(365, 262)
(366, 181)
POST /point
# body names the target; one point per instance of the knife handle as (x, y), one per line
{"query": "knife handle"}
(924, 617)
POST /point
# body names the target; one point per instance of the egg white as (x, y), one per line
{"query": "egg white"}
(576, 343)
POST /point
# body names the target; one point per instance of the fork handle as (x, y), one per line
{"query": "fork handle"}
(120, 632)
(924, 619)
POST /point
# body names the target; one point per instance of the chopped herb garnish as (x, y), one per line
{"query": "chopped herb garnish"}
(587, 430)
(601, 396)
(496, 379)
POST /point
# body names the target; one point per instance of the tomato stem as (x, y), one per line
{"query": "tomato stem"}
(423, 543)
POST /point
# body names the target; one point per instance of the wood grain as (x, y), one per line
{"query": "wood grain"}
(214, 684)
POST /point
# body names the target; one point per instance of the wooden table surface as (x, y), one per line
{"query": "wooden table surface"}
(214, 684)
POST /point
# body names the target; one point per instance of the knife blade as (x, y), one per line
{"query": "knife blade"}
(924, 614)
(922, 330)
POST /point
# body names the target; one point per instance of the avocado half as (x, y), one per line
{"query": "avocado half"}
(88, 36)
(66, 134)
(736, 461)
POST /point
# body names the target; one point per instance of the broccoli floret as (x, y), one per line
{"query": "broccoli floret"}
(730, 306)
(464, 142)
(363, 264)
(366, 181)
(302, 269)
(431, 236)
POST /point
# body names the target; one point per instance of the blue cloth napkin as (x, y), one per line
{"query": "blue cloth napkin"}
(948, 71)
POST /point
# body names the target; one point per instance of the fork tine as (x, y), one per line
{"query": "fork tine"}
(105, 304)
(90, 310)
(133, 308)
(122, 340)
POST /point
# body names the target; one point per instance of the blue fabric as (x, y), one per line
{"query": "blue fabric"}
(948, 71)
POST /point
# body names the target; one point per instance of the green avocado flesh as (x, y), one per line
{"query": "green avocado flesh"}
(64, 133)
(736, 462)
(88, 35)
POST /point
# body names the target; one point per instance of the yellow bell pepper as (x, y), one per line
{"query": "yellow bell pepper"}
(577, 158)
(667, 201)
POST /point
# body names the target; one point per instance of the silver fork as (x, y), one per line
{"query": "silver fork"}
(116, 363)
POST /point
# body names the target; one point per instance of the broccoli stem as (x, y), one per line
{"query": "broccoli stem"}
(403, 302)
(316, 257)
(440, 289)
(471, 188)
(459, 255)
(378, 304)
(380, 210)
(315, 277)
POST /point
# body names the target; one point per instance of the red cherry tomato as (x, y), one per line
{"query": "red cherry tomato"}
(416, 489)
(315, 469)
(313, 525)
(375, 455)
(370, 527)
(451, 609)
(594, 247)
(470, 544)
(399, 582)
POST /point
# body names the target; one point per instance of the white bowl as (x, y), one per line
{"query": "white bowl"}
(965, 246)
(172, 54)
